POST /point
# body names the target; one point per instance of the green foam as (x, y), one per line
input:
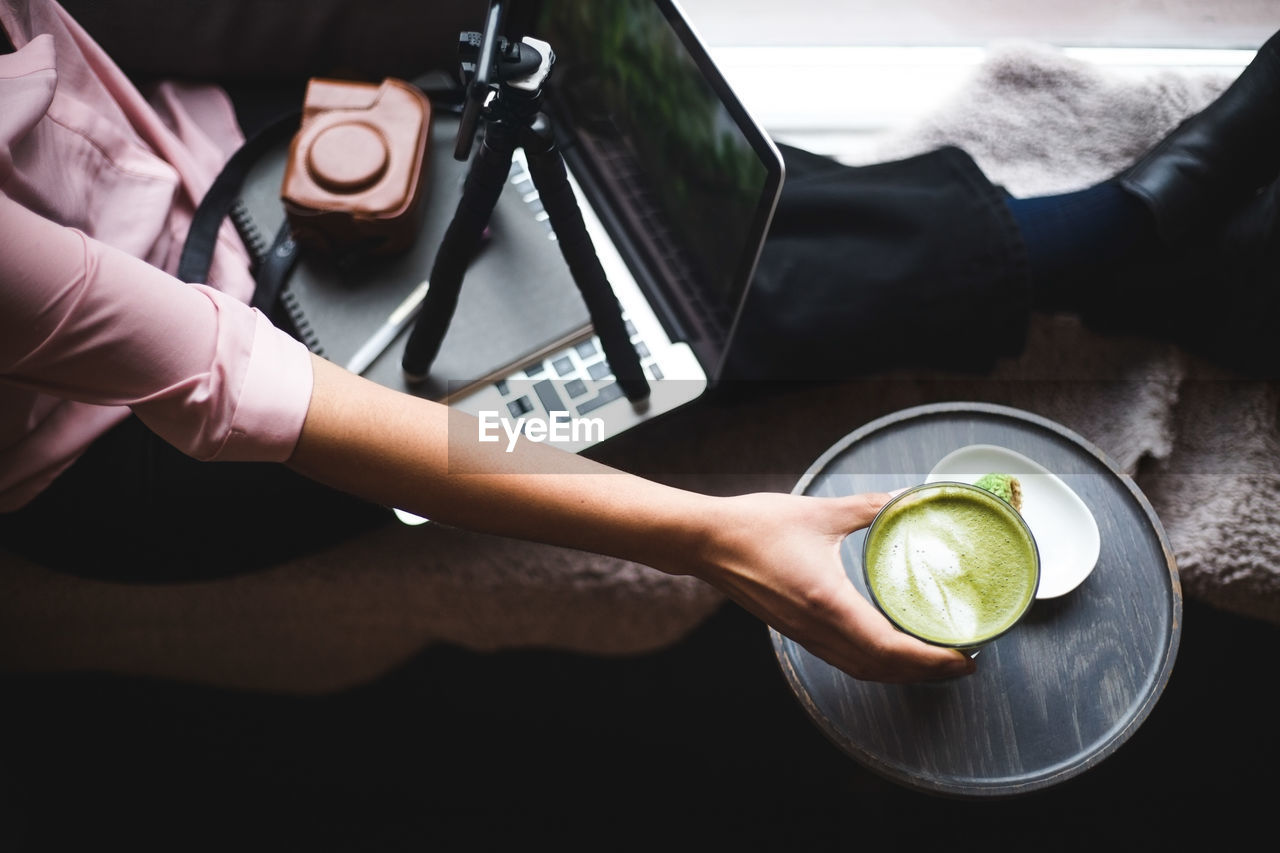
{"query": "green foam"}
(951, 565)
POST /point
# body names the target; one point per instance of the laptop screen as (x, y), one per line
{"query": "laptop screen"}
(680, 174)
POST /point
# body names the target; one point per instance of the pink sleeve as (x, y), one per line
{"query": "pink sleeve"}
(83, 321)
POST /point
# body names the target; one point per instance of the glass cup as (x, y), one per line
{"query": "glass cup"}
(951, 564)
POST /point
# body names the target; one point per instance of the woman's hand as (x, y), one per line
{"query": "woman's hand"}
(778, 556)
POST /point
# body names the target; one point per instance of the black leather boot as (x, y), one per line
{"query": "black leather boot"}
(1216, 293)
(1218, 157)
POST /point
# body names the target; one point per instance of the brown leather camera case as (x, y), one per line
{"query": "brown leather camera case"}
(357, 166)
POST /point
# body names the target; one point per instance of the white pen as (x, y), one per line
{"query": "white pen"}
(395, 323)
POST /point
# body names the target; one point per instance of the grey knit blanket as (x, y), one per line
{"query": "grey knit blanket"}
(1203, 449)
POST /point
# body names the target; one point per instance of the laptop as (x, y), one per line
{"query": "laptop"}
(677, 185)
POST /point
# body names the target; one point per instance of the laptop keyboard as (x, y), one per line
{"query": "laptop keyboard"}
(577, 380)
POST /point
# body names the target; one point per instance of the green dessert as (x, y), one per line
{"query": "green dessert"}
(1005, 486)
(952, 564)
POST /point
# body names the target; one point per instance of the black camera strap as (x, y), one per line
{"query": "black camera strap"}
(271, 267)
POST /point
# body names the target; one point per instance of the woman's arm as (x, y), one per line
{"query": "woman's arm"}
(776, 555)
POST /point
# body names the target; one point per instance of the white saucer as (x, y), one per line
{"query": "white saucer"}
(1065, 530)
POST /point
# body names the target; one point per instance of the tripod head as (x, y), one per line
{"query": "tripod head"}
(489, 60)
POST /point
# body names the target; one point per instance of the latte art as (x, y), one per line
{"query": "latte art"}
(951, 564)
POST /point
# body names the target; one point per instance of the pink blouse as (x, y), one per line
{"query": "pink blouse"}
(97, 189)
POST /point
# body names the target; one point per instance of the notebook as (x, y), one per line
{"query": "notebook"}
(677, 185)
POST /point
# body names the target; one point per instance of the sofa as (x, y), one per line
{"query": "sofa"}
(427, 684)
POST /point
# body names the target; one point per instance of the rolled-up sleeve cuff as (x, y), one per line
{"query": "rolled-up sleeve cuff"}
(273, 400)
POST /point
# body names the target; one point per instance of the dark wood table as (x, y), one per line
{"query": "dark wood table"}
(1056, 695)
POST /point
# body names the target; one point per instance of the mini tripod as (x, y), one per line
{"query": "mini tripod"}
(514, 117)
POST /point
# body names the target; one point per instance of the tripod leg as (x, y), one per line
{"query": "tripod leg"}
(552, 181)
(485, 180)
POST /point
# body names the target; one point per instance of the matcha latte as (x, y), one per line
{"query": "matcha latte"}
(951, 563)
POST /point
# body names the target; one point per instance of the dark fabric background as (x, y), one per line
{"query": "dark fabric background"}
(269, 40)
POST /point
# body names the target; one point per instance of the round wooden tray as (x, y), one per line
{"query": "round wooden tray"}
(1057, 694)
